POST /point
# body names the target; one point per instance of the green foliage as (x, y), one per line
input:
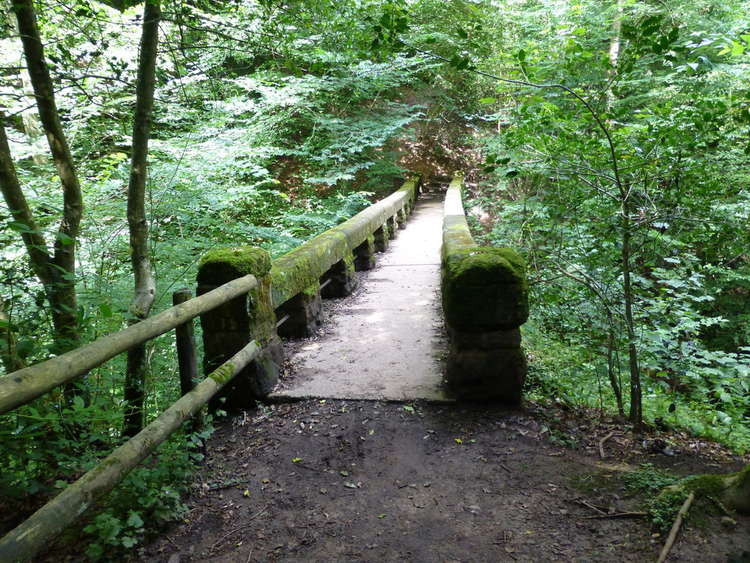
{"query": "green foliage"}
(148, 497)
(648, 479)
(675, 186)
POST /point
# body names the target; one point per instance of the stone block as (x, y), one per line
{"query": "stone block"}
(486, 375)
(343, 279)
(305, 314)
(230, 327)
(484, 289)
(382, 237)
(364, 255)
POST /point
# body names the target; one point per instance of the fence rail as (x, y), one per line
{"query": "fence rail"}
(35, 533)
(22, 386)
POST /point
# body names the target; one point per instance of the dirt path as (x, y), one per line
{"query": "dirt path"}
(327, 480)
(386, 341)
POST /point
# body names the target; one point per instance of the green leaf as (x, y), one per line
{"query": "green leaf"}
(105, 310)
(486, 101)
(134, 519)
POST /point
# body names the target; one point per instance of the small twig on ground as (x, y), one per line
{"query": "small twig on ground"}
(676, 527)
(617, 515)
(589, 505)
(602, 442)
(237, 529)
(505, 467)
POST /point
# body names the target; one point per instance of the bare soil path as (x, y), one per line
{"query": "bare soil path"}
(330, 480)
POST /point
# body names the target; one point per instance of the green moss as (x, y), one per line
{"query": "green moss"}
(262, 313)
(302, 267)
(484, 289)
(223, 264)
(223, 374)
(487, 266)
(705, 485)
(313, 290)
(349, 263)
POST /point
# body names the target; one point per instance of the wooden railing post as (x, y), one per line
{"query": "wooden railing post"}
(485, 301)
(187, 356)
(230, 327)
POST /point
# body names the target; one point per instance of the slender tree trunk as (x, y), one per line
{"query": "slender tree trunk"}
(60, 285)
(144, 280)
(614, 52)
(614, 383)
(8, 354)
(636, 411)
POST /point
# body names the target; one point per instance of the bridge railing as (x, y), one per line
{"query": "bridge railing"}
(485, 301)
(239, 293)
(287, 301)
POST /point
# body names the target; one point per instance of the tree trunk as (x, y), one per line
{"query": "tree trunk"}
(636, 395)
(8, 355)
(144, 281)
(60, 285)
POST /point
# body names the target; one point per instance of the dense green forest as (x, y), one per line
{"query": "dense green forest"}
(607, 142)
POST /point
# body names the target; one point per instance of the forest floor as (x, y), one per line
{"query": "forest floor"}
(335, 480)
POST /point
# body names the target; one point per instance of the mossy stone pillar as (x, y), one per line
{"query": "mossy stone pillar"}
(485, 301)
(401, 218)
(305, 313)
(364, 255)
(392, 226)
(382, 236)
(342, 276)
(229, 328)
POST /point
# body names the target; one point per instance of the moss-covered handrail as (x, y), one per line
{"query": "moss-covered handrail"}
(485, 301)
(297, 270)
(20, 387)
(35, 533)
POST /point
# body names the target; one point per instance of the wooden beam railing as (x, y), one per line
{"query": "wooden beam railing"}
(35, 533)
(22, 386)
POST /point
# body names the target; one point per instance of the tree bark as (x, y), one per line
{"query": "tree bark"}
(60, 284)
(143, 297)
(8, 355)
(636, 395)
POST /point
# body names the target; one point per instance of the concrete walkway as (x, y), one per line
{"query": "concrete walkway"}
(386, 341)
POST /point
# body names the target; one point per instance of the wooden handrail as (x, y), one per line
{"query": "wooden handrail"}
(35, 533)
(24, 385)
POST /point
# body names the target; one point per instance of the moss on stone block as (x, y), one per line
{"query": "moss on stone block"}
(484, 289)
(224, 264)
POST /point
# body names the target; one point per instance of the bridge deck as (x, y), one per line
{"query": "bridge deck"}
(387, 340)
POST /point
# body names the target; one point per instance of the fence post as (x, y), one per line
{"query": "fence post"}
(187, 357)
(232, 326)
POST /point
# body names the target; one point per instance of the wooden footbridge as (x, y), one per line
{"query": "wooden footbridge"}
(247, 303)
